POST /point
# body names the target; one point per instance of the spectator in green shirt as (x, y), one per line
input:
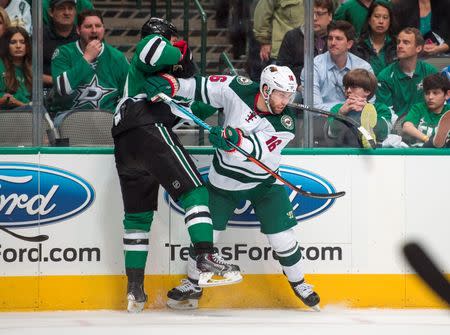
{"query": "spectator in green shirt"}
(359, 85)
(15, 68)
(428, 123)
(377, 41)
(400, 84)
(355, 12)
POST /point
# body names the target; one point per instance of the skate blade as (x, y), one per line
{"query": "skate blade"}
(206, 279)
(135, 307)
(183, 304)
(315, 308)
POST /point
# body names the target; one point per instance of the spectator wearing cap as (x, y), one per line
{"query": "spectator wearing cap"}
(80, 5)
(60, 30)
(19, 12)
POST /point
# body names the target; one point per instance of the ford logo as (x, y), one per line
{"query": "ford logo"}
(304, 207)
(32, 194)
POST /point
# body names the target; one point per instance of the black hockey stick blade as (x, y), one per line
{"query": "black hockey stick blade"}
(354, 126)
(427, 270)
(38, 238)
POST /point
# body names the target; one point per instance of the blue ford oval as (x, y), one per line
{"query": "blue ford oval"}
(304, 207)
(32, 194)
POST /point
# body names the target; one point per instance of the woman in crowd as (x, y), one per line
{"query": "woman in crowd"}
(15, 68)
(430, 17)
(5, 22)
(377, 41)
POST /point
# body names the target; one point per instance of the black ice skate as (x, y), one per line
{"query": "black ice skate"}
(306, 294)
(136, 297)
(211, 265)
(185, 296)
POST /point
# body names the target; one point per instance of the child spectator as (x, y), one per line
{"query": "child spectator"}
(15, 68)
(359, 85)
(377, 42)
(428, 123)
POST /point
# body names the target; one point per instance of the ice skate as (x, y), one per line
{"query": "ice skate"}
(185, 296)
(306, 294)
(211, 265)
(136, 297)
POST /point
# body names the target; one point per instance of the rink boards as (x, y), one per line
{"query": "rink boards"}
(351, 246)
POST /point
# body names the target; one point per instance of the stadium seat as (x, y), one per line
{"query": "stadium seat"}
(16, 128)
(86, 127)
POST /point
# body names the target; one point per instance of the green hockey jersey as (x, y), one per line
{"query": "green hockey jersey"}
(153, 54)
(83, 85)
(265, 134)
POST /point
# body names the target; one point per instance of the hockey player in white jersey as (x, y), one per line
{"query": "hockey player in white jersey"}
(257, 119)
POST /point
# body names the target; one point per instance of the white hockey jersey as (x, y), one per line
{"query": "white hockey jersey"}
(265, 134)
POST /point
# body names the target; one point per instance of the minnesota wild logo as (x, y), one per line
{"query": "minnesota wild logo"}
(244, 80)
(287, 122)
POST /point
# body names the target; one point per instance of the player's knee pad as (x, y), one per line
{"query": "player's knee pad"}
(138, 221)
(286, 247)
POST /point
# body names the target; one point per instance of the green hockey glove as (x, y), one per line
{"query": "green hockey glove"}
(218, 137)
(161, 83)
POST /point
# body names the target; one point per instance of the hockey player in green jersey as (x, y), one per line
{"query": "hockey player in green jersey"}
(149, 154)
(257, 119)
(88, 73)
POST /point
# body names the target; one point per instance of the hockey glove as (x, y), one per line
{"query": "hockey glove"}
(219, 136)
(161, 83)
(186, 67)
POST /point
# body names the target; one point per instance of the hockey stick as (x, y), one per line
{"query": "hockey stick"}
(38, 238)
(206, 126)
(349, 122)
(427, 270)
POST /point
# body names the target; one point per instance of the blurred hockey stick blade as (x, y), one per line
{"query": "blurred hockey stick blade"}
(38, 238)
(206, 126)
(427, 270)
(349, 122)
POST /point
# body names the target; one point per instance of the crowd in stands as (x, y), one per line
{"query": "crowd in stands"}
(366, 51)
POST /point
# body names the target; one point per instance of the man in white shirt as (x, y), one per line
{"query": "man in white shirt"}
(331, 66)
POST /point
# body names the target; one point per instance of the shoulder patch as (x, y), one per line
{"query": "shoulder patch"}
(287, 122)
(244, 80)
(55, 53)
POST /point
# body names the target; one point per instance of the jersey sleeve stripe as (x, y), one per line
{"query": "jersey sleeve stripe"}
(204, 91)
(152, 51)
(63, 84)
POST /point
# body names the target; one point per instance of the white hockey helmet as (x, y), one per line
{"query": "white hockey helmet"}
(275, 77)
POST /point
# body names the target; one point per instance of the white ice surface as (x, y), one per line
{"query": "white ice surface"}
(330, 321)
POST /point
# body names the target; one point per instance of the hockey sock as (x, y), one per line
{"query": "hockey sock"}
(288, 253)
(135, 275)
(135, 238)
(197, 217)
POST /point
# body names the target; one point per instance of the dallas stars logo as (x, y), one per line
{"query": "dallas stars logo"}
(91, 93)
